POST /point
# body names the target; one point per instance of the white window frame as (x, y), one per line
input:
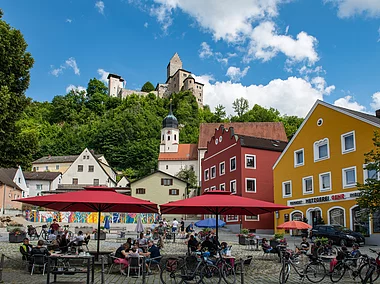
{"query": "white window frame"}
(220, 169)
(365, 174)
(234, 157)
(208, 174)
(234, 220)
(321, 189)
(344, 177)
(249, 220)
(295, 158)
(233, 181)
(212, 177)
(304, 187)
(246, 185)
(213, 187)
(344, 151)
(283, 189)
(57, 167)
(220, 186)
(206, 189)
(254, 161)
(316, 146)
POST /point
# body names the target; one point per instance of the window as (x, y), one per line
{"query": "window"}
(75, 181)
(321, 150)
(57, 167)
(46, 168)
(325, 181)
(222, 186)
(34, 169)
(222, 168)
(369, 173)
(213, 188)
(307, 185)
(39, 186)
(167, 167)
(38, 168)
(233, 186)
(232, 218)
(175, 137)
(140, 190)
(206, 174)
(163, 137)
(96, 181)
(84, 157)
(349, 177)
(298, 158)
(250, 185)
(168, 137)
(91, 168)
(80, 168)
(166, 181)
(348, 142)
(250, 161)
(213, 172)
(287, 189)
(252, 218)
(173, 191)
(19, 180)
(206, 189)
(88, 157)
(336, 216)
(232, 164)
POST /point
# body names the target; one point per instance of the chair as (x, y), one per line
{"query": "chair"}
(114, 258)
(252, 244)
(155, 261)
(39, 260)
(135, 263)
(246, 264)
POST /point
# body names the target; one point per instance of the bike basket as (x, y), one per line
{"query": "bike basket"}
(171, 264)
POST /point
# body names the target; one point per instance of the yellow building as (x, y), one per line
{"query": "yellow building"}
(317, 172)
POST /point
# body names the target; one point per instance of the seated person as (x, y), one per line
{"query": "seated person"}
(40, 249)
(134, 252)
(143, 242)
(304, 246)
(153, 255)
(223, 248)
(192, 243)
(121, 254)
(137, 247)
(355, 251)
(129, 241)
(266, 247)
(63, 243)
(26, 249)
(190, 228)
(77, 239)
(209, 245)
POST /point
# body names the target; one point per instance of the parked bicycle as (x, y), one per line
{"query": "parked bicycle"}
(315, 271)
(226, 269)
(349, 264)
(369, 271)
(33, 233)
(190, 269)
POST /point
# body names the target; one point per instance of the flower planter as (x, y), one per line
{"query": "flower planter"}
(13, 238)
(102, 236)
(11, 228)
(242, 240)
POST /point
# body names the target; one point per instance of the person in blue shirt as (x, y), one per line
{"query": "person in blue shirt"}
(152, 256)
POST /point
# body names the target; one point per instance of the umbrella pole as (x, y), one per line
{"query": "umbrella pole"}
(217, 224)
(98, 236)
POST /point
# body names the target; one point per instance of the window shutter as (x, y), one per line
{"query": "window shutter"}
(162, 181)
(171, 181)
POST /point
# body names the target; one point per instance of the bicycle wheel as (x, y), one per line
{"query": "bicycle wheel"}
(315, 272)
(210, 274)
(228, 273)
(284, 273)
(172, 271)
(363, 271)
(44, 235)
(337, 272)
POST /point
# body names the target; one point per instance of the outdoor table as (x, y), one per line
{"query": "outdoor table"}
(258, 240)
(55, 270)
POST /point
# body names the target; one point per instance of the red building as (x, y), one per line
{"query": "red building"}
(243, 165)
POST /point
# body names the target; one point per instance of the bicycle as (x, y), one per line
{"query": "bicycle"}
(33, 234)
(190, 269)
(315, 271)
(370, 270)
(226, 270)
(350, 264)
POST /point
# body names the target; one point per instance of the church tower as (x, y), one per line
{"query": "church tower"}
(175, 63)
(169, 134)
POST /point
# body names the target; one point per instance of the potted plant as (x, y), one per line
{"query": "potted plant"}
(243, 236)
(17, 235)
(102, 234)
(13, 225)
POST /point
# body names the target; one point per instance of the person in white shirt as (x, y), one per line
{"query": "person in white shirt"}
(77, 239)
(174, 225)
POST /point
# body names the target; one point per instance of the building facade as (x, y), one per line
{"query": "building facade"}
(40, 183)
(9, 191)
(242, 165)
(17, 176)
(318, 171)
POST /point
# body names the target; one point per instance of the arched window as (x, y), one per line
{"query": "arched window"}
(175, 137)
(296, 216)
(336, 216)
(168, 137)
(163, 137)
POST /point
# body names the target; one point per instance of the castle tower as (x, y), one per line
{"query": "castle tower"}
(115, 84)
(175, 63)
(169, 134)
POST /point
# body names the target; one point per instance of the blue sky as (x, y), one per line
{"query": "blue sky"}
(279, 53)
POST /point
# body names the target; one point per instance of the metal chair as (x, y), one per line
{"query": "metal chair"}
(155, 262)
(246, 264)
(135, 263)
(114, 264)
(39, 260)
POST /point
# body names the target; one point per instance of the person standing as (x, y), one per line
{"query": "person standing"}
(174, 225)
(54, 227)
(26, 249)
(182, 225)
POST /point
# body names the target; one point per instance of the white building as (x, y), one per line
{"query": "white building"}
(123, 182)
(39, 183)
(17, 176)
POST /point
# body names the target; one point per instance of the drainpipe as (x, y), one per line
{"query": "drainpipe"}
(3, 205)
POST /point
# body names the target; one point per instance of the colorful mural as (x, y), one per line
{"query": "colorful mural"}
(86, 217)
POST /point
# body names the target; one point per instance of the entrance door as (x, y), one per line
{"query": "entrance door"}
(296, 216)
(360, 221)
(316, 217)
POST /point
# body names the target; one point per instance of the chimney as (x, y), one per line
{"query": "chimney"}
(378, 113)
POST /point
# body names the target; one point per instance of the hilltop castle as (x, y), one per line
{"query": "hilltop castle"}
(177, 79)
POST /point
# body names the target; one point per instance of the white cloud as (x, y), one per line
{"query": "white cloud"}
(100, 6)
(375, 101)
(349, 8)
(286, 30)
(103, 75)
(266, 43)
(146, 25)
(205, 50)
(236, 74)
(69, 21)
(378, 31)
(75, 88)
(284, 95)
(320, 84)
(69, 63)
(350, 103)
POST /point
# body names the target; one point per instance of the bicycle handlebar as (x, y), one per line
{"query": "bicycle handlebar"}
(372, 250)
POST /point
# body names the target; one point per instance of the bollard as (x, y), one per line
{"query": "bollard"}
(241, 271)
(1, 268)
(143, 271)
(102, 273)
(174, 237)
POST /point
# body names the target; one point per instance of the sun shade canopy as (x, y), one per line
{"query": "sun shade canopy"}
(294, 225)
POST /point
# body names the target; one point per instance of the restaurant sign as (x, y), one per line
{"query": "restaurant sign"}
(325, 198)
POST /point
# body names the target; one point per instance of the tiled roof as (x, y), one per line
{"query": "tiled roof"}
(11, 172)
(267, 130)
(41, 175)
(262, 143)
(185, 152)
(366, 116)
(59, 159)
(5, 179)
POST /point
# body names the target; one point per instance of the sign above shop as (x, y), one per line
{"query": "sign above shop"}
(325, 198)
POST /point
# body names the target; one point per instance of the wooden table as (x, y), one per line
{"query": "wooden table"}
(55, 270)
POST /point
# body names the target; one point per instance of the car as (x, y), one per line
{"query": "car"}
(338, 234)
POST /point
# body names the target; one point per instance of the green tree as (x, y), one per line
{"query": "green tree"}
(96, 86)
(147, 87)
(220, 113)
(240, 106)
(15, 65)
(187, 174)
(370, 190)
